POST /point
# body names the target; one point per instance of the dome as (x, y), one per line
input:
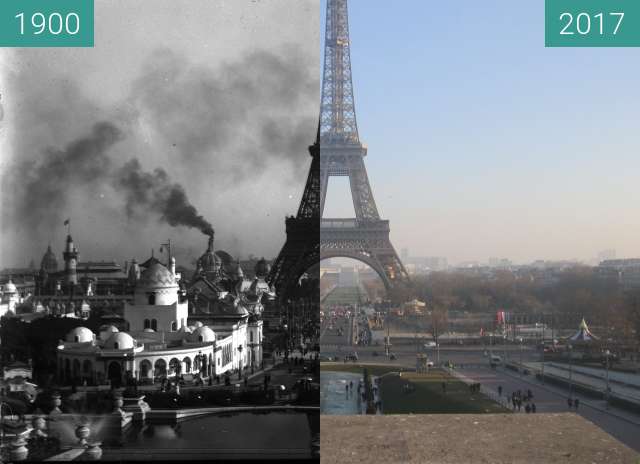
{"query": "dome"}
(157, 276)
(209, 261)
(262, 268)
(49, 262)
(185, 329)
(10, 287)
(108, 328)
(203, 334)
(198, 324)
(80, 335)
(149, 330)
(120, 341)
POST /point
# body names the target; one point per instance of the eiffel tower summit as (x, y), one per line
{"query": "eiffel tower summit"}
(365, 237)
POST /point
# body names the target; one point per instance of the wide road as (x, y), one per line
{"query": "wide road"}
(336, 334)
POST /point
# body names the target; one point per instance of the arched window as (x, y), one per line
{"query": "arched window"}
(147, 324)
(77, 339)
(152, 298)
(174, 326)
(251, 337)
(116, 346)
(154, 324)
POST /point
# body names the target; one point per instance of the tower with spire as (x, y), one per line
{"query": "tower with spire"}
(70, 256)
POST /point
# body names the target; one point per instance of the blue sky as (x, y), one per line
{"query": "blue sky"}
(482, 142)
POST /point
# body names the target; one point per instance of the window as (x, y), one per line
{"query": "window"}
(152, 298)
(251, 337)
(147, 324)
(154, 324)
(174, 326)
(77, 338)
(201, 338)
(116, 346)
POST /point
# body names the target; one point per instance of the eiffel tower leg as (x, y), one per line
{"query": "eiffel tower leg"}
(324, 183)
(363, 202)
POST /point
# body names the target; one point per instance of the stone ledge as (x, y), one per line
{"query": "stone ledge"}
(469, 438)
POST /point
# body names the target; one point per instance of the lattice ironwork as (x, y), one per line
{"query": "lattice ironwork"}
(366, 237)
(338, 112)
(302, 247)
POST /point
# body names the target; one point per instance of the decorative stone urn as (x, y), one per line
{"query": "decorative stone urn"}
(94, 452)
(56, 401)
(82, 432)
(39, 425)
(18, 451)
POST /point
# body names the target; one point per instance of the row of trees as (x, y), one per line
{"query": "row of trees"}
(564, 297)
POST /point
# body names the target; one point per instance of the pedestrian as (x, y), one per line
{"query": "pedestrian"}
(527, 409)
(569, 402)
(576, 403)
(533, 408)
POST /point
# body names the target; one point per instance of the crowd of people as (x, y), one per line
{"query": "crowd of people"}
(519, 398)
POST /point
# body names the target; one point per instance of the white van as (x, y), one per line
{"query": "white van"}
(495, 360)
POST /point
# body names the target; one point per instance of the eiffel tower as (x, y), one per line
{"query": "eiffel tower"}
(365, 237)
(302, 248)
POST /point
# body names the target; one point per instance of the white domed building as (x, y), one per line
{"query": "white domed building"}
(160, 341)
(9, 299)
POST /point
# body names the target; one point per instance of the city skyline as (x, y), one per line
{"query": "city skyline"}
(506, 148)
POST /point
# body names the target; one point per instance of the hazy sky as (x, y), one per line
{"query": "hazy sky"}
(213, 99)
(484, 143)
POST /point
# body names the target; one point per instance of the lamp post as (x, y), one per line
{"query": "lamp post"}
(607, 353)
(521, 366)
(570, 373)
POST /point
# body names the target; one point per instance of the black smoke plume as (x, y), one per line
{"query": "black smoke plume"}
(146, 191)
(46, 183)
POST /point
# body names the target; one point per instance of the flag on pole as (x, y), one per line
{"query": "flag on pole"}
(66, 222)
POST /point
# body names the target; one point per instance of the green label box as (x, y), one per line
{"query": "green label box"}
(46, 23)
(592, 23)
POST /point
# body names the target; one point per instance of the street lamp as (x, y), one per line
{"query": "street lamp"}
(607, 353)
(521, 366)
(570, 372)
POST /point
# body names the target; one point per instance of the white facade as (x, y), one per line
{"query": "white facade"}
(159, 344)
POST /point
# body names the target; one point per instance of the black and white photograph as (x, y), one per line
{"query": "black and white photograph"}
(159, 236)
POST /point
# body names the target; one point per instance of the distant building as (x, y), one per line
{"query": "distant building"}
(626, 272)
(606, 255)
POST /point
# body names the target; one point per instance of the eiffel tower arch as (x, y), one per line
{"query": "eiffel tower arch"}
(365, 237)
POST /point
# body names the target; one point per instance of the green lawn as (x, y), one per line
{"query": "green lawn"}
(426, 396)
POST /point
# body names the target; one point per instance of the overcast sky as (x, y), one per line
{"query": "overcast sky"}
(482, 142)
(220, 96)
